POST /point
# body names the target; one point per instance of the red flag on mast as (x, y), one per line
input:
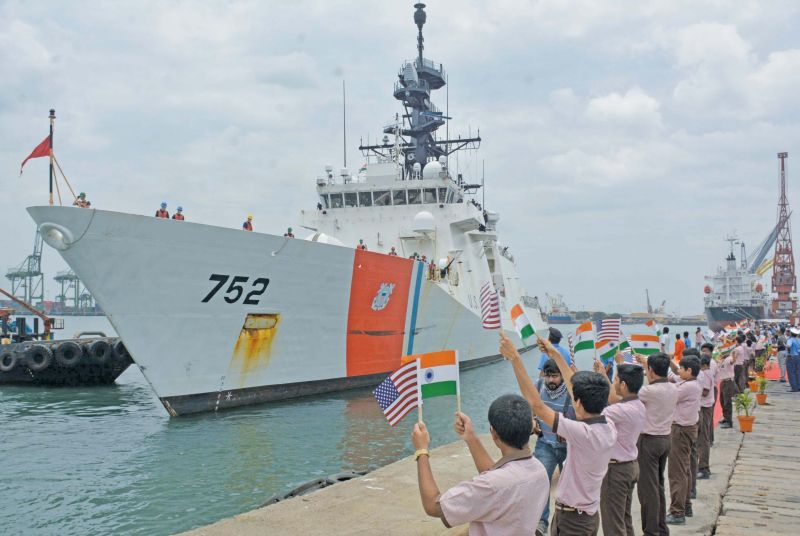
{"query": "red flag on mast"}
(43, 149)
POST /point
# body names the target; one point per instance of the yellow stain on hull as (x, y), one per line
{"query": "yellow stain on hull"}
(253, 348)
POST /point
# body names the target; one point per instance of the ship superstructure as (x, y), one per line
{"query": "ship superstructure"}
(253, 317)
(734, 292)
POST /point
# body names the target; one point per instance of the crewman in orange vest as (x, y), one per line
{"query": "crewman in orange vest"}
(248, 225)
(179, 214)
(162, 212)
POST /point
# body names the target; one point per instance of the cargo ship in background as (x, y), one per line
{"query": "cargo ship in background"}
(400, 259)
(558, 312)
(735, 292)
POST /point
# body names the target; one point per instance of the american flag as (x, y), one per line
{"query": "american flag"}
(490, 307)
(397, 395)
(610, 329)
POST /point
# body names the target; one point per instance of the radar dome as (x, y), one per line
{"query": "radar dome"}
(432, 170)
(322, 238)
(424, 222)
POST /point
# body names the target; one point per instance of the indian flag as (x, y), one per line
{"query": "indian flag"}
(584, 339)
(655, 327)
(438, 374)
(607, 349)
(521, 322)
(645, 344)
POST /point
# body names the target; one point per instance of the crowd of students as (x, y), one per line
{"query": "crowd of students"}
(611, 439)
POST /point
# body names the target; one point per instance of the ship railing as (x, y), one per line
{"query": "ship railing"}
(412, 84)
(429, 64)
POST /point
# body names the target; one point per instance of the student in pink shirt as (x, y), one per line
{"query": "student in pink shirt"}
(726, 374)
(706, 423)
(590, 439)
(508, 496)
(659, 397)
(627, 413)
(684, 435)
(707, 349)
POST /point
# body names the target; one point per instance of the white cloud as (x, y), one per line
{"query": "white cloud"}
(635, 107)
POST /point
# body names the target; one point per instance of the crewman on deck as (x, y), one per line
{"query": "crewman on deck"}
(288, 233)
(178, 214)
(248, 224)
(361, 245)
(393, 252)
(81, 201)
(162, 212)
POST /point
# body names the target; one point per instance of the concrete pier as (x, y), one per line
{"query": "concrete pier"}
(750, 491)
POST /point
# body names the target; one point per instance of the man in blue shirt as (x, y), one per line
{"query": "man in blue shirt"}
(554, 336)
(793, 361)
(550, 449)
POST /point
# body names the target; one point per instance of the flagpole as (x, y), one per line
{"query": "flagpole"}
(52, 122)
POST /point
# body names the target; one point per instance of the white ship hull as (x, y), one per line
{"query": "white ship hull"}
(313, 328)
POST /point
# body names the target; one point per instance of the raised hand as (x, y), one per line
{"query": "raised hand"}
(420, 437)
(463, 426)
(507, 348)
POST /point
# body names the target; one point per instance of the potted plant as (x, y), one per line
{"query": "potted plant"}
(760, 362)
(752, 384)
(745, 404)
(761, 396)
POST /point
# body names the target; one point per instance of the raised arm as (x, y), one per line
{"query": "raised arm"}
(613, 397)
(464, 429)
(526, 386)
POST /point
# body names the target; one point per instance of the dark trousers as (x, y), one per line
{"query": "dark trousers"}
(566, 523)
(653, 454)
(716, 397)
(680, 467)
(704, 431)
(740, 377)
(727, 391)
(616, 498)
(693, 466)
(793, 372)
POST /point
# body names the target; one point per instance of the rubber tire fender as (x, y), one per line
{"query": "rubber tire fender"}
(99, 351)
(68, 353)
(8, 359)
(121, 353)
(41, 352)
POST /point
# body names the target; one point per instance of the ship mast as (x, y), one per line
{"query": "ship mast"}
(421, 118)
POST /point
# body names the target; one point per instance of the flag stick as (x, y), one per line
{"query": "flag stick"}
(458, 402)
(419, 411)
(52, 122)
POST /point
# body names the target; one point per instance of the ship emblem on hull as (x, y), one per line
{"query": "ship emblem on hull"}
(381, 299)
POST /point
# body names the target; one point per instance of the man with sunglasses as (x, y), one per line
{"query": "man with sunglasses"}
(550, 449)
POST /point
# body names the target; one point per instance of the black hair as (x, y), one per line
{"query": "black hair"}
(740, 338)
(692, 351)
(591, 388)
(554, 336)
(512, 420)
(658, 363)
(749, 343)
(632, 375)
(691, 363)
(707, 346)
(677, 336)
(665, 330)
(705, 360)
(685, 334)
(550, 367)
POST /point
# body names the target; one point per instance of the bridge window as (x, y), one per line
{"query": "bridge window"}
(399, 197)
(429, 195)
(336, 200)
(442, 195)
(382, 198)
(324, 200)
(350, 199)
(365, 199)
(414, 197)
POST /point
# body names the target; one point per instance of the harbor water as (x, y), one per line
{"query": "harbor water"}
(108, 460)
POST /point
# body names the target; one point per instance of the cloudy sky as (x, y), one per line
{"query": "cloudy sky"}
(622, 139)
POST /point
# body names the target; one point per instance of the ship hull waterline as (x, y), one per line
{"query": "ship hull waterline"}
(218, 318)
(720, 317)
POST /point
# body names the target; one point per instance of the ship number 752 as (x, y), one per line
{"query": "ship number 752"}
(236, 289)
